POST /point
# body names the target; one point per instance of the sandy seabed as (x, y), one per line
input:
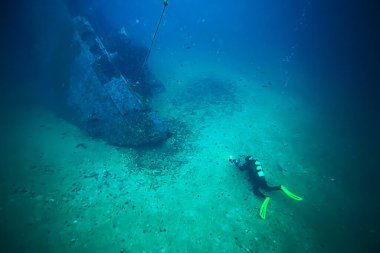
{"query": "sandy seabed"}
(63, 191)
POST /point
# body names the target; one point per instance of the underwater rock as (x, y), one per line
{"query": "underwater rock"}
(102, 101)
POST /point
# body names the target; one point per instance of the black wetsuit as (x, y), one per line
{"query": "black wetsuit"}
(256, 176)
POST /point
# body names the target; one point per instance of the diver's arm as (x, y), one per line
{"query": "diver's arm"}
(236, 162)
(242, 167)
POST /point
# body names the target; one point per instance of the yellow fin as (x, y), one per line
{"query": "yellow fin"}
(290, 194)
(263, 208)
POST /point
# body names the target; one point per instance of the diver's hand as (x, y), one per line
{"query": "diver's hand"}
(234, 161)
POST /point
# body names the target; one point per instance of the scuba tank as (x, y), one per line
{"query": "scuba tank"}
(259, 169)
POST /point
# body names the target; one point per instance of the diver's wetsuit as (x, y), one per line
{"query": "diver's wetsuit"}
(256, 176)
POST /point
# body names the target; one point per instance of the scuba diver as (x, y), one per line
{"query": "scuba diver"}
(257, 179)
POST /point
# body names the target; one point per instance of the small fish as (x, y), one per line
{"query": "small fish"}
(81, 145)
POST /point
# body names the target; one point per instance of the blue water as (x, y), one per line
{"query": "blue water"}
(301, 79)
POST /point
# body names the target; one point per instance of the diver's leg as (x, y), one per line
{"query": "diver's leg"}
(268, 188)
(257, 192)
